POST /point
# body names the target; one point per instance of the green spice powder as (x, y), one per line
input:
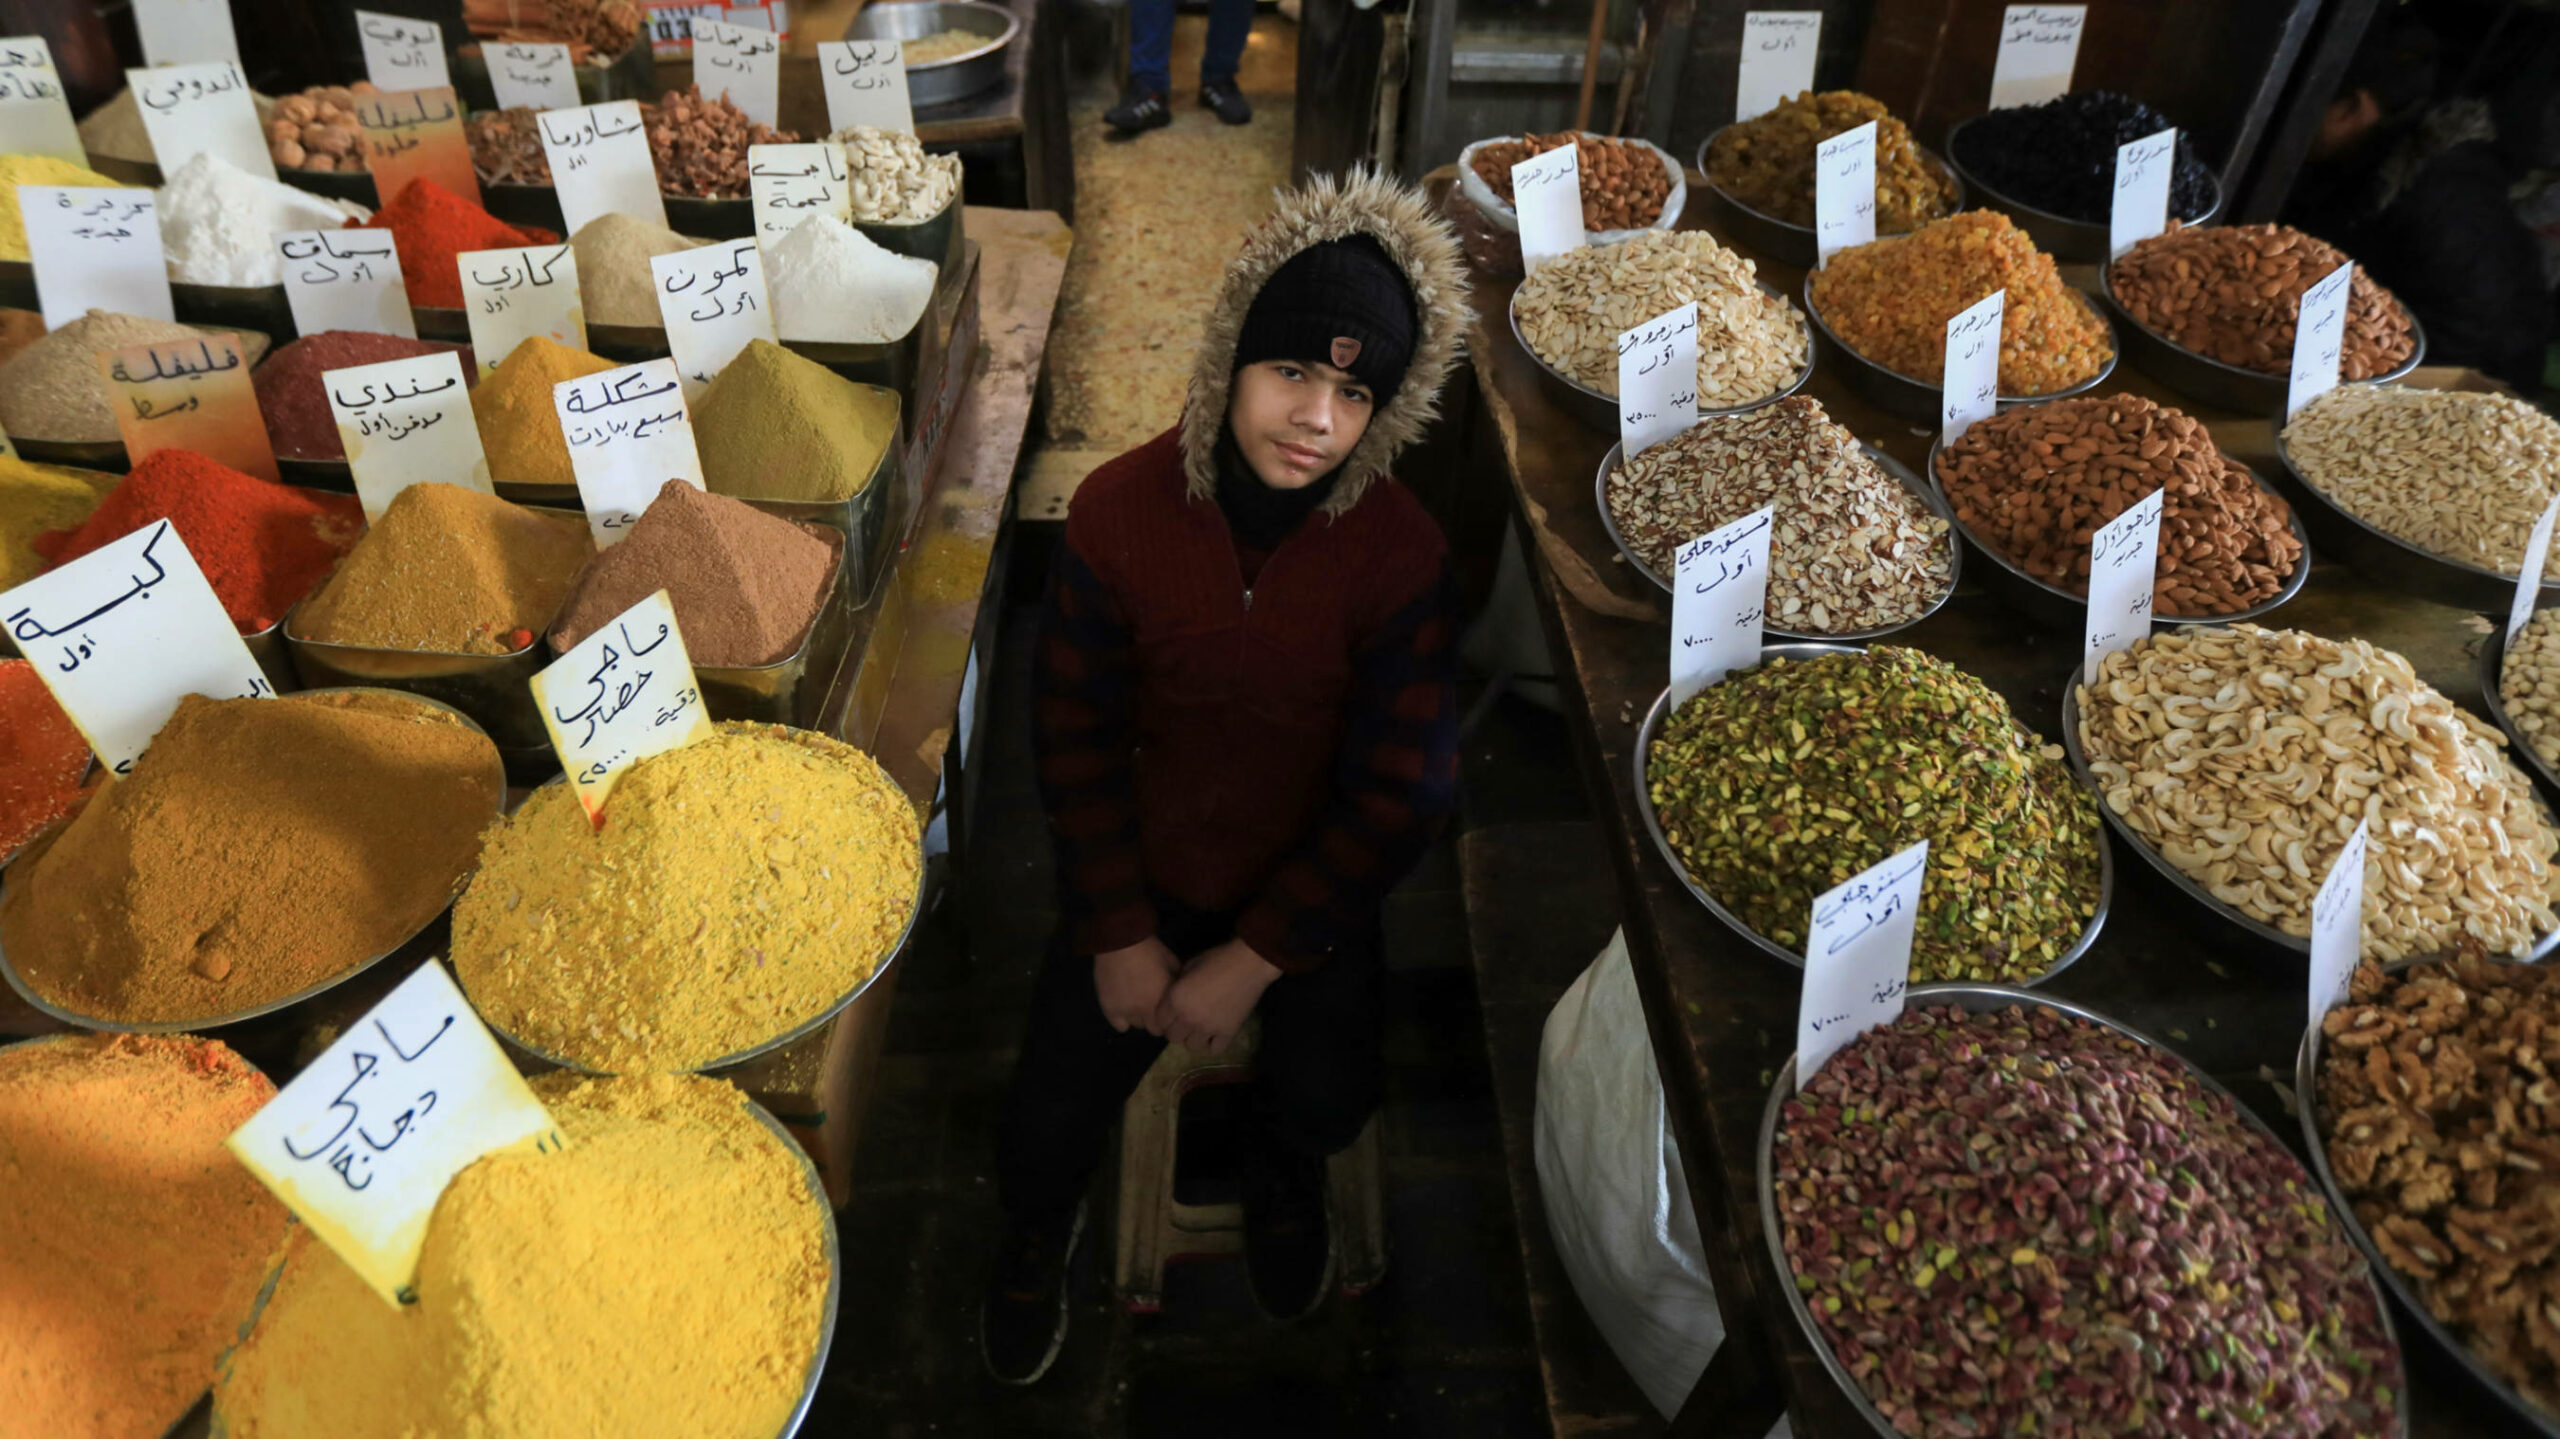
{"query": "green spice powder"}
(776, 426)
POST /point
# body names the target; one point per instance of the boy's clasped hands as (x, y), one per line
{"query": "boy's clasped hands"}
(1199, 1005)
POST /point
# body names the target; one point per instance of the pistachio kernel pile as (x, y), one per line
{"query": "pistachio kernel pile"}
(1782, 781)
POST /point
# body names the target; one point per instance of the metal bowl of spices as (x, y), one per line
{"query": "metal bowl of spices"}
(1785, 241)
(2200, 377)
(1600, 411)
(943, 79)
(1901, 472)
(1641, 763)
(1976, 999)
(2065, 239)
(1921, 401)
(2493, 668)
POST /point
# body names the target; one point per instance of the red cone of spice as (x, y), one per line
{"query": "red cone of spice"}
(42, 757)
(430, 225)
(296, 403)
(262, 545)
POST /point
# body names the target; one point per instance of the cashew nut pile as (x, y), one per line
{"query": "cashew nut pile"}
(894, 181)
(2246, 756)
(2454, 472)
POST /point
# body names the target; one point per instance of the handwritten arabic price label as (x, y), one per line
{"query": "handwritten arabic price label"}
(123, 633)
(742, 62)
(1844, 192)
(1857, 958)
(401, 53)
(600, 163)
(345, 280)
(629, 432)
(2123, 556)
(1778, 48)
(2039, 44)
(866, 84)
(511, 295)
(2319, 333)
(95, 248)
(2140, 208)
(189, 395)
(416, 135)
(405, 422)
(1719, 588)
(786, 184)
(190, 109)
(363, 1142)
(534, 77)
(1658, 379)
(2337, 926)
(714, 304)
(35, 118)
(185, 32)
(2537, 550)
(619, 696)
(1546, 194)
(1970, 390)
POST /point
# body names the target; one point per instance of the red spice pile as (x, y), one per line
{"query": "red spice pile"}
(296, 403)
(430, 225)
(262, 545)
(42, 757)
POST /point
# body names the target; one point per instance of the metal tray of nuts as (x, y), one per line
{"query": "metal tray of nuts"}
(2493, 664)
(1921, 401)
(2202, 378)
(2267, 934)
(1887, 463)
(1600, 411)
(2306, 1091)
(2065, 239)
(2053, 606)
(1805, 650)
(1785, 241)
(1979, 999)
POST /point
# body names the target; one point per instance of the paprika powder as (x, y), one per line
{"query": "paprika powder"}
(42, 757)
(430, 226)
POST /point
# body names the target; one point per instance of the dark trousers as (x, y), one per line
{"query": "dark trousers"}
(1316, 1076)
(1151, 43)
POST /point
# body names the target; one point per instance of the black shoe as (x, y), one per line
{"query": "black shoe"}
(1288, 1245)
(1138, 110)
(1023, 1323)
(1226, 100)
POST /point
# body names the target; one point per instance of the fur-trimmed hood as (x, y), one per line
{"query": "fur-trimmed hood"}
(1326, 208)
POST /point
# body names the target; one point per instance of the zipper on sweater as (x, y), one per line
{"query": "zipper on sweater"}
(1248, 596)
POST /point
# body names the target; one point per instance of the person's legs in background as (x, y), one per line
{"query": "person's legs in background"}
(1317, 1079)
(1230, 22)
(1142, 105)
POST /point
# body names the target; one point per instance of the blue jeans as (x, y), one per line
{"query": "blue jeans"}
(1151, 43)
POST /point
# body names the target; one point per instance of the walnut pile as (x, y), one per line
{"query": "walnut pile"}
(2442, 1120)
(701, 145)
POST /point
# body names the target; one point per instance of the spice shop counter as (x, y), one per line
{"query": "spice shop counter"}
(1722, 1012)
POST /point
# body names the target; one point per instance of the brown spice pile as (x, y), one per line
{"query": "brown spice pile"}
(1766, 162)
(1890, 302)
(745, 585)
(701, 145)
(506, 147)
(450, 570)
(2233, 292)
(258, 848)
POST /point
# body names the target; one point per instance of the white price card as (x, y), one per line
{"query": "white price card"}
(620, 695)
(123, 633)
(509, 296)
(786, 184)
(1970, 389)
(401, 53)
(600, 163)
(345, 280)
(714, 304)
(1778, 48)
(362, 1143)
(2319, 334)
(1857, 958)
(2337, 926)
(629, 432)
(191, 109)
(1546, 194)
(2140, 208)
(1658, 379)
(743, 63)
(185, 32)
(35, 118)
(2039, 45)
(2537, 550)
(1844, 192)
(95, 248)
(2123, 557)
(1719, 589)
(405, 422)
(866, 84)
(533, 77)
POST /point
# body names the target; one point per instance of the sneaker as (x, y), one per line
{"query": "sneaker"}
(1288, 1245)
(1226, 101)
(1023, 1323)
(1138, 110)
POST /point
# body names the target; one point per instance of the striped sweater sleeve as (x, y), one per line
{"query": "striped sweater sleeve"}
(1084, 740)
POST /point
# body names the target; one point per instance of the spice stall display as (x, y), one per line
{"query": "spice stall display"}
(132, 1244)
(35, 499)
(295, 402)
(2454, 474)
(449, 570)
(701, 145)
(1752, 345)
(519, 427)
(432, 227)
(16, 170)
(52, 391)
(218, 222)
(1766, 162)
(44, 760)
(779, 426)
(745, 585)
(1889, 302)
(2231, 293)
(615, 282)
(2060, 156)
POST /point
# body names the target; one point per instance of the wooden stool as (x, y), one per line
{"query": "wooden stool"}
(1156, 1228)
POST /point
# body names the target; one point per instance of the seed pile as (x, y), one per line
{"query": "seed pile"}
(2529, 684)
(2443, 1129)
(1890, 302)
(295, 402)
(1778, 783)
(894, 182)
(1624, 184)
(317, 130)
(506, 148)
(2232, 293)
(449, 570)
(1751, 344)
(2060, 156)
(2246, 756)
(1766, 162)
(2020, 1222)
(2034, 484)
(1850, 548)
(2459, 474)
(942, 45)
(700, 146)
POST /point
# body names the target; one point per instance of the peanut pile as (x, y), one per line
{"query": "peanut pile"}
(2034, 484)
(700, 146)
(1766, 162)
(1623, 184)
(2457, 473)
(1751, 344)
(2529, 685)
(316, 130)
(2232, 293)
(1890, 302)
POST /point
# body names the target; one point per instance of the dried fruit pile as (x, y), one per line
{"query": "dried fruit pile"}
(1623, 183)
(2060, 156)
(1751, 344)
(1766, 162)
(2462, 474)
(2232, 292)
(700, 146)
(1890, 301)
(2023, 1223)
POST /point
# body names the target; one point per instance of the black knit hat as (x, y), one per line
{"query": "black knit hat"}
(1343, 303)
